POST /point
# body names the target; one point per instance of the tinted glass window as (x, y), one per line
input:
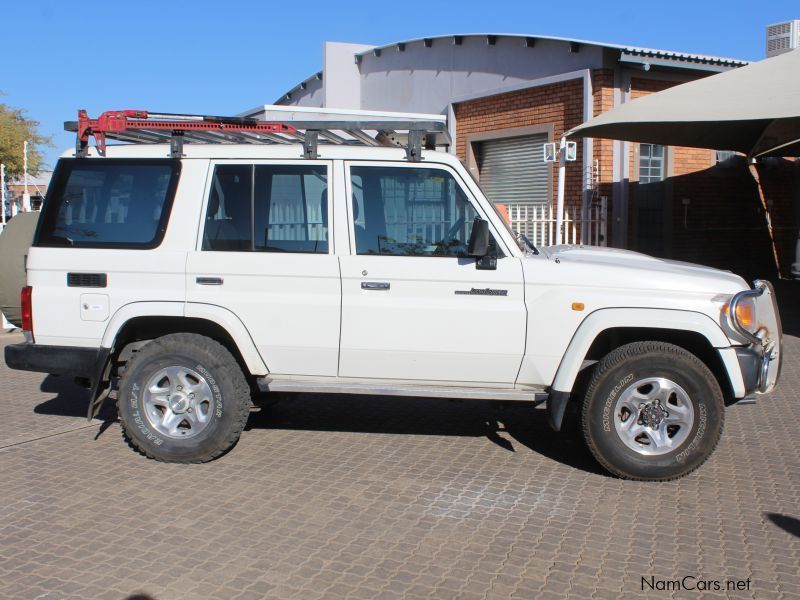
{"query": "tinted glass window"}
(410, 212)
(291, 208)
(229, 214)
(108, 203)
(268, 208)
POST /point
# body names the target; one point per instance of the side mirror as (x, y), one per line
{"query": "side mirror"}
(478, 245)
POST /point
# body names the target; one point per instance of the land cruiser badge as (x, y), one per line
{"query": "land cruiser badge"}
(482, 292)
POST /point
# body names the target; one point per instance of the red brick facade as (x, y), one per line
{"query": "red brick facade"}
(559, 105)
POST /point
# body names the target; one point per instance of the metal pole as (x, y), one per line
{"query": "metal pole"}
(2, 196)
(6, 326)
(562, 163)
(26, 197)
(767, 213)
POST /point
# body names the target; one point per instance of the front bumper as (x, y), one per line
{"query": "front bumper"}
(761, 361)
(85, 363)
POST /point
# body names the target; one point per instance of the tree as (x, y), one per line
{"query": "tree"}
(14, 130)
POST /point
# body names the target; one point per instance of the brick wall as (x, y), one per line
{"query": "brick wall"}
(559, 105)
(684, 160)
(724, 223)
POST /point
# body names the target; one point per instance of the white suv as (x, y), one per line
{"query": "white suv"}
(192, 283)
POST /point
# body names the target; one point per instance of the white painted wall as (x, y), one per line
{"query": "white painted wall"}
(341, 76)
(424, 79)
(313, 95)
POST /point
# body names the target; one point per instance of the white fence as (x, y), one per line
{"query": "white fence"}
(538, 223)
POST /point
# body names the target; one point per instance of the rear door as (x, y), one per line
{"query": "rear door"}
(414, 306)
(265, 255)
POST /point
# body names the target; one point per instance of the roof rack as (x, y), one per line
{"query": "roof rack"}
(141, 126)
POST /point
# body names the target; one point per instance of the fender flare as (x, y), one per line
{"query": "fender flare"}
(611, 318)
(209, 312)
(235, 328)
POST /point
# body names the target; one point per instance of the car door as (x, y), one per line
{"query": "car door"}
(265, 255)
(414, 306)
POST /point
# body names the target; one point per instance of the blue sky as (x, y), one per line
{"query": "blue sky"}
(224, 57)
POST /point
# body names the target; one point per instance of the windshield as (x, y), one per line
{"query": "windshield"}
(522, 241)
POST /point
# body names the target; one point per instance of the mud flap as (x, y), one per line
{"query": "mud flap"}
(556, 407)
(101, 384)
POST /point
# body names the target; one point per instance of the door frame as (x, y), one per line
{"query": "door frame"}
(666, 184)
(471, 161)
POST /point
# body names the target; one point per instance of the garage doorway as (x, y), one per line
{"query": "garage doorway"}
(512, 171)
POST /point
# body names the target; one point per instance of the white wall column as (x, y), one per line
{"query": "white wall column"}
(562, 172)
(341, 75)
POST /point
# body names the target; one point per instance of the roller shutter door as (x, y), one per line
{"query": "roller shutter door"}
(512, 170)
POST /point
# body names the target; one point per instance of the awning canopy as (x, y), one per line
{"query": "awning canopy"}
(753, 109)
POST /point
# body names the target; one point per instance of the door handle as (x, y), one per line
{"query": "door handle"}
(374, 285)
(209, 280)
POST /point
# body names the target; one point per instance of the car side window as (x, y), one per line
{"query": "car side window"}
(291, 209)
(399, 211)
(229, 213)
(268, 208)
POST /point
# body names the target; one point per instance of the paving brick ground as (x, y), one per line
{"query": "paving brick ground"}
(356, 497)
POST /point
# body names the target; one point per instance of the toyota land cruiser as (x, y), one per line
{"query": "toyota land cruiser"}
(188, 277)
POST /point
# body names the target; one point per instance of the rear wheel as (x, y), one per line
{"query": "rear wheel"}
(183, 398)
(652, 411)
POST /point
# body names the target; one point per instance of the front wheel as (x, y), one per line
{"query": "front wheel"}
(183, 398)
(652, 411)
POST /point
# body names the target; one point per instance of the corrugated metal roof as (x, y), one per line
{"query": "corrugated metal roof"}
(685, 56)
(303, 84)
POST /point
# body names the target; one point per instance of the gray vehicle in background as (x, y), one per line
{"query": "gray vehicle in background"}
(14, 244)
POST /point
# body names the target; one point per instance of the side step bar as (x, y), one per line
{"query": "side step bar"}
(371, 388)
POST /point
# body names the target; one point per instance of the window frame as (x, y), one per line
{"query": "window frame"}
(664, 164)
(212, 165)
(502, 250)
(59, 181)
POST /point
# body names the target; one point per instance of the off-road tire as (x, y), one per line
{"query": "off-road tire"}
(631, 363)
(228, 384)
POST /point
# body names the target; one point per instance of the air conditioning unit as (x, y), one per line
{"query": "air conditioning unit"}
(783, 37)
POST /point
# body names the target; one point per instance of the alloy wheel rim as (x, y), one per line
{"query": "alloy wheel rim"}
(178, 402)
(653, 416)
